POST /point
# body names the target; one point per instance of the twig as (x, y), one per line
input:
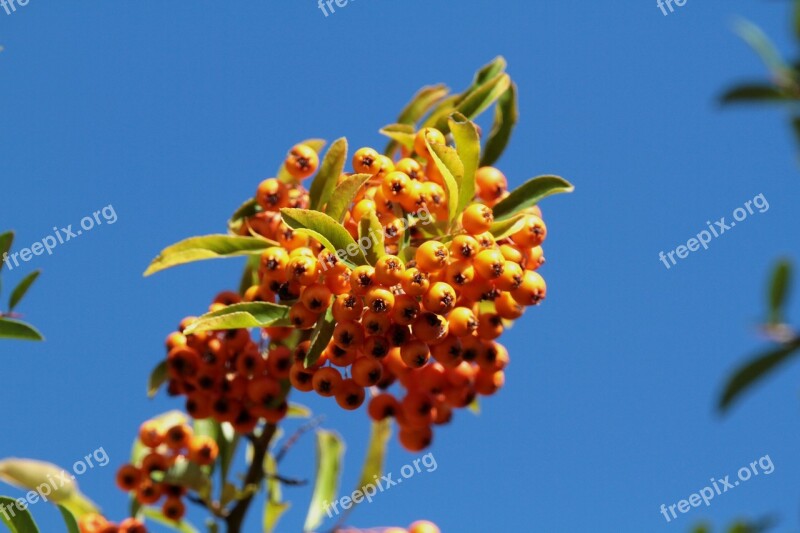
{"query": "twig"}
(291, 441)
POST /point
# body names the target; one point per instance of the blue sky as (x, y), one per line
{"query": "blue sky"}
(172, 114)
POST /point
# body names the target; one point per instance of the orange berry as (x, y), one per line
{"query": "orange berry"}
(178, 436)
(415, 439)
(347, 307)
(415, 353)
(300, 377)
(271, 194)
(128, 477)
(327, 381)
(150, 434)
(367, 371)
(350, 395)
(410, 167)
(429, 327)
(149, 492)
(511, 277)
(423, 526)
(489, 264)
(464, 247)
(379, 300)
(131, 525)
(92, 523)
(459, 273)
(316, 298)
(415, 282)
(383, 406)
(303, 270)
(173, 509)
(440, 298)
(376, 323)
(533, 232)
(376, 346)
(394, 185)
(302, 161)
(490, 326)
(532, 290)
(348, 335)
(462, 322)
(491, 183)
(203, 450)
(301, 317)
(431, 256)
(507, 307)
(448, 352)
(365, 161)
(406, 309)
(477, 219)
(389, 270)
(488, 382)
(362, 279)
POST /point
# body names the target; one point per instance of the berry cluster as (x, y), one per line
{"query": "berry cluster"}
(165, 449)
(95, 523)
(429, 321)
(225, 376)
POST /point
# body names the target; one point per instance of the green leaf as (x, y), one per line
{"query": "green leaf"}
(21, 521)
(755, 370)
(488, 71)
(157, 516)
(468, 147)
(206, 247)
(227, 441)
(242, 316)
(421, 103)
(30, 474)
(779, 290)
(22, 289)
(315, 144)
(330, 233)
(345, 193)
(320, 336)
(157, 378)
(506, 115)
(186, 474)
(370, 227)
(275, 507)
(402, 134)
(6, 240)
(479, 100)
(755, 94)
(330, 450)
(328, 176)
(529, 193)
(509, 226)
(69, 520)
(452, 170)
(758, 41)
(297, 410)
(16, 329)
(376, 452)
(246, 210)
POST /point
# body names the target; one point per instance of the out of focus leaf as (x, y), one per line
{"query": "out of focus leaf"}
(376, 452)
(20, 521)
(69, 520)
(755, 93)
(16, 329)
(157, 378)
(320, 336)
(330, 450)
(779, 290)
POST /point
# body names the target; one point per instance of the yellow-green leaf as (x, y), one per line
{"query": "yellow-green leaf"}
(370, 228)
(20, 521)
(320, 336)
(326, 179)
(69, 520)
(503, 228)
(16, 329)
(275, 507)
(330, 450)
(452, 170)
(506, 115)
(297, 410)
(157, 378)
(330, 233)
(376, 452)
(402, 134)
(340, 202)
(529, 193)
(468, 147)
(242, 316)
(30, 474)
(6, 240)
(206, 247)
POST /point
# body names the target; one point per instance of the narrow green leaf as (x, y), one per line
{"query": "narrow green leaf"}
(376, 452)
(509, 226)
(755, 94)
(328, 176)
(6, 240)
(227, 441)
(157, 516)
(755, 370)
(529, 194)
(186, 474)
(468, 147)
(206, 247)
(20, 521)
(402, 134)
(315, 144)
(330, 450)
(297, 410)
(330, 233)
(452, 170)
(421, 103)
(275, 507)
(69, 520)
(320, 336)
(16, 329)
(479, 100)
(779, 290)
(21, 289)
(345, 193)
(758, 41)
(506, 115)
(489, 71)
(370, 228)
(242, 316)
(247, 209)
(157, 378)
(29, 474)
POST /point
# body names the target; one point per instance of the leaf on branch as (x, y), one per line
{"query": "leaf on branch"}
(242, 316)
(529, 194)
(330, 450)
(206, 247)
(19, 292)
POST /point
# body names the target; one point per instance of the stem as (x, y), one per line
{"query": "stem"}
(255, 475)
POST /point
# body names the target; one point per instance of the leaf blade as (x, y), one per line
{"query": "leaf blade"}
(468, 147)
(22, 288)
(332, 167)
(345, 193)
(529, 194)
(242, 316)
(330, 450)
(330, 233)
(506, 116)
(11, 328)
(205, 247)
(452, 170)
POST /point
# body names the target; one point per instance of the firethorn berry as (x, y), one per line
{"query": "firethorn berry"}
(511, 277)
(385, 166)
(440, 298)
(379, 300)
(389, 270)
(316, 298)
(304, 270)
(128, 477)
(406, 309)
(347, 307)
(376, 323)
(362, 278)
(533, 232)
(415, 282)
(532, 290)
(367, 371)
(534, 258)
(178, 436)
(301, 317)
(203, 450)
(431, 256)
(415, 353)
(365, 161)
(340, 357)
(271, 194)
(376, 346)
(489, 264)
(350, 395)
(383, 406)
(410, 167)
(490, 326)
(477, 219)
(432, 135)
(173, 509)
(151, 434)
(349, 334)
(448, 352)
(131, 525)
(394, 185)
(326, 381)
(429, 327)
(302, 161)
(423, 526)
(486, 240)
(462, 322)
(488, 382)
(300, 377)
(415, 439)
(92, 523)
(460, 273)
(148, 492)
(491, 183)
(464, 247)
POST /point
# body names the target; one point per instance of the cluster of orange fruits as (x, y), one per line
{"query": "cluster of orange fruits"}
(224, 374)
(420, 526)
(165, 448)
(430, 321)
(95, 523)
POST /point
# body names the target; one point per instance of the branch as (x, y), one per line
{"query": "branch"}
(291, 441)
